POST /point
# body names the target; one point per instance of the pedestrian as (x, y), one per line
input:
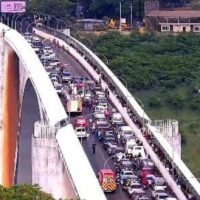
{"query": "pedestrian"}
(93, 148)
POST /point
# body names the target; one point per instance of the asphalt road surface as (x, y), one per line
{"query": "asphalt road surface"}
(97, 161)
(30, 114)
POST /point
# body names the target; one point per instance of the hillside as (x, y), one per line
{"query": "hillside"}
(164, 71)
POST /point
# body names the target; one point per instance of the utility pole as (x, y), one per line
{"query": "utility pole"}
(77, 9)
(120, 16)
(131, 15)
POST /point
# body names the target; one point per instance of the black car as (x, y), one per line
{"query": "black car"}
(115, 150)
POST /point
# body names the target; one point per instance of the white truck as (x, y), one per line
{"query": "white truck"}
(74, 103)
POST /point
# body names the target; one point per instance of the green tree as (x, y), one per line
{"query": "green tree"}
(24, 192)
(58, 8)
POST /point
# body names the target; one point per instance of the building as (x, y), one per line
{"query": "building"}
(173, 21)
(91, 24)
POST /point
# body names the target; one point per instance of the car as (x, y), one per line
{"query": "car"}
(58, 88)
(81, 122)
(124, 164)
(134, 188)
(111, 146)
(161, 196)
(126, 174)
(108, 140)
(147, 163)
(116, 118)
(100, 118)
(66, 76)
(158, 190)
(115, 150)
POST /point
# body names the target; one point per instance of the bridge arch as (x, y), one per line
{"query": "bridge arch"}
(17, 49)
(83, 178)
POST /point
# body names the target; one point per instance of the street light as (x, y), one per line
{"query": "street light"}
(142, 104)
(8, 19)
(29, 26)
(126, 85)
(83, 38)
(21, 23)
(142, 109)
(63, 23)
(16, 21)
(120, 16)
(106, 161)
(52, 16)
(12, 20)
(102, 56)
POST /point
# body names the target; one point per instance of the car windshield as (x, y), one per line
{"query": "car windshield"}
(128, 173)
(128, 133)
(80, 130)
(136, 186)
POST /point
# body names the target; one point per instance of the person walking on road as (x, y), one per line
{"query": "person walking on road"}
(93, 148)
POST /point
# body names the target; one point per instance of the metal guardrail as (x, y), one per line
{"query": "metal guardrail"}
(186, 178)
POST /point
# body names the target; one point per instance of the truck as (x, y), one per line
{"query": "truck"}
(74, 104)
(107, 180)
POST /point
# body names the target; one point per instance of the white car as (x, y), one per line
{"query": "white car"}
(116, 118)
(158, 190)
(134, 188)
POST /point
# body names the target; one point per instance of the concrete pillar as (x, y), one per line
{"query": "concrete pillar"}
(48, 169)
(10, 115)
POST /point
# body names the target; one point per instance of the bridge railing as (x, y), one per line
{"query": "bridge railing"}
(183, 174)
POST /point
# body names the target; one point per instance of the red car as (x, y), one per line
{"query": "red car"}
(81, 122)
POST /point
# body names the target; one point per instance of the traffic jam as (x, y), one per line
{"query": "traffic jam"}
(92, 115)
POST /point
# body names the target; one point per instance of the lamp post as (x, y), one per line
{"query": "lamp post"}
(8, 19)
(29, 26)
(83, 38)
(12, 20)
(142, 104)
(52, 16)
(21, 23)
(142, 109)
(16, 21)
(103, 56)
(106, 161)
(62, 21)
(126, 85)
(120, 16)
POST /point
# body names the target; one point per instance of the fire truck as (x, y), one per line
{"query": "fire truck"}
(107, 180)
(74, 104)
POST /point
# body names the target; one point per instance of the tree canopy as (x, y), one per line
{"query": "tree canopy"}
(24, 192)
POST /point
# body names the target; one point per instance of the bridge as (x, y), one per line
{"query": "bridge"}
(21, 69)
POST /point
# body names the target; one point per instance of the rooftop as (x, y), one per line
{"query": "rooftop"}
(181, 14)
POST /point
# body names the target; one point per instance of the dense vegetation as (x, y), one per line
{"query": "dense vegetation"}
(164, 71)
(23, 192)
(94, 8)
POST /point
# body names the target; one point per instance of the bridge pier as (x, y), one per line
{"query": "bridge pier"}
(48, 169)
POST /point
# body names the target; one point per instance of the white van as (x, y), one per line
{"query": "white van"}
(81, 132)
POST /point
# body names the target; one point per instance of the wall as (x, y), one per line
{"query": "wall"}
(179, 28)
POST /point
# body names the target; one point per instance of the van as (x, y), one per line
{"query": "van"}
(81, 132)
